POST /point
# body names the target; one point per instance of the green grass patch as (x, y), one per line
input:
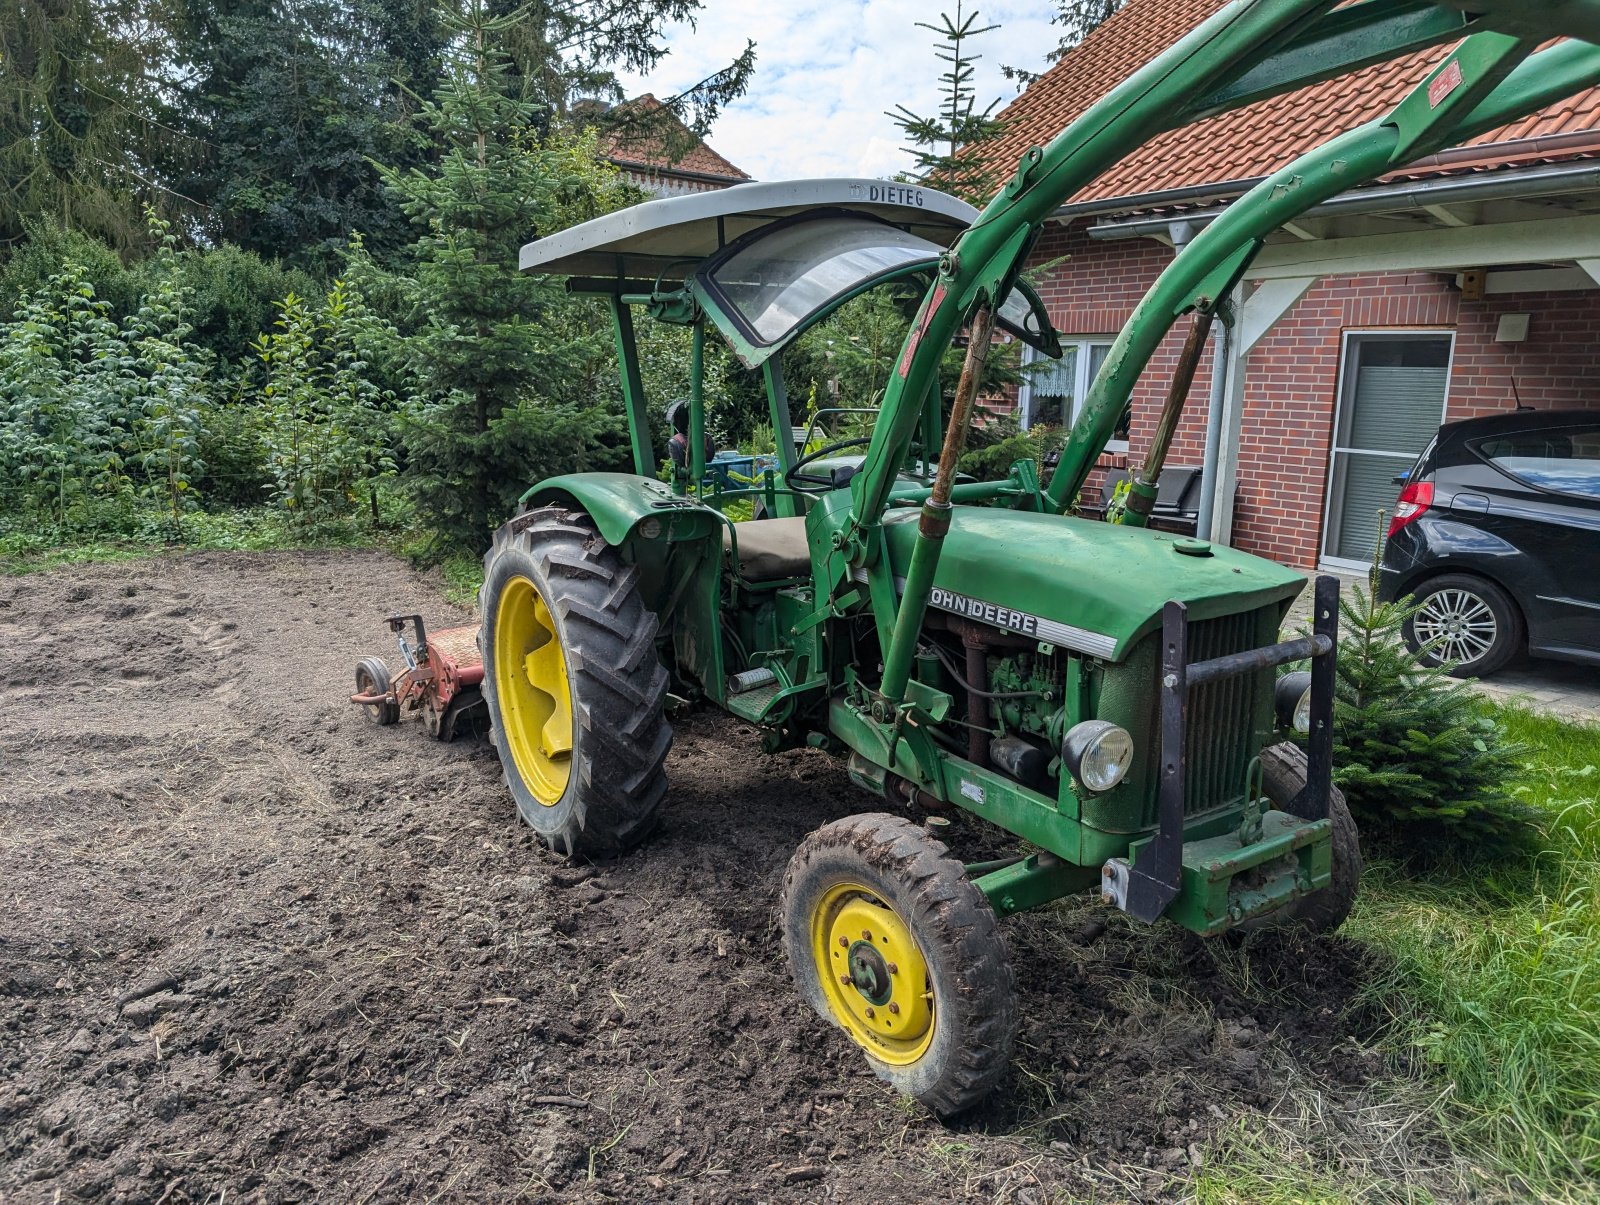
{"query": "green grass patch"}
(1498, 985)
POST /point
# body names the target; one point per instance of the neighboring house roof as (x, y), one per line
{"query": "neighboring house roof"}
(1255, 141)
(673, 150)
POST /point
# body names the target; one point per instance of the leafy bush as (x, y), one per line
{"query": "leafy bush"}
(90, 409)
(1416, 752)
(233, 296)
(325, 426)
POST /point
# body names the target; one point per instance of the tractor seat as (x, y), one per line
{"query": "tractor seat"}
(771, 550)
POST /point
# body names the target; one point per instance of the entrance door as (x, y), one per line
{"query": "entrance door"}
(1392, 402)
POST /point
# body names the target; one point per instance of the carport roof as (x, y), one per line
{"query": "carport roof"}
(1241, 147)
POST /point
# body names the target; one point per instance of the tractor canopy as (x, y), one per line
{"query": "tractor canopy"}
(766, 262)
(1081, 584)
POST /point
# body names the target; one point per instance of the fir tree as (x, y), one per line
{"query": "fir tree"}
(507, 360)
(1416, 752)
(942, 143)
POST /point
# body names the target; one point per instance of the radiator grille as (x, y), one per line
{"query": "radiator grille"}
(1222, 714)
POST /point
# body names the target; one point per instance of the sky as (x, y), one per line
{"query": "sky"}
(827, 72)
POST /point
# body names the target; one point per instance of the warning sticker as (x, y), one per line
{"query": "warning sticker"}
(1446, 82)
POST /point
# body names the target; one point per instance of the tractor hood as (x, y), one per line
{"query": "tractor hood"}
(1082, 584)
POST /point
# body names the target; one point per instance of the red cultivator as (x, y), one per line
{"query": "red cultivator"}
(442, 679)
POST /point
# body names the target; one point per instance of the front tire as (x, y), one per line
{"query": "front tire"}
(1466, 623)
(576, 693)
(1283, 772)
(889, 940)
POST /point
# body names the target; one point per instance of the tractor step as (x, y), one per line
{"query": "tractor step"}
(752, 704)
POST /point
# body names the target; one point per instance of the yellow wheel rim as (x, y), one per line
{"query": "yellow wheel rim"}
(530, 681)
(873, 975)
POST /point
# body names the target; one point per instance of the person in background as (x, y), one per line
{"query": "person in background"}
(678, 445)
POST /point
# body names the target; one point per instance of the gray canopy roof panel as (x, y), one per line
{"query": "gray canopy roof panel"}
(670, 237)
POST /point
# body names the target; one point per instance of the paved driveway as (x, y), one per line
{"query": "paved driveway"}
(1554, 686)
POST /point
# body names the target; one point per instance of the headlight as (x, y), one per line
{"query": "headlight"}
(1293, 699)
(1098, 754)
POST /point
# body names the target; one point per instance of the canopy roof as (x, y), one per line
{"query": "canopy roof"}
(669, 238)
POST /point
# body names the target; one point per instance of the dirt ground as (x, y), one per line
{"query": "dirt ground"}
(253, 948)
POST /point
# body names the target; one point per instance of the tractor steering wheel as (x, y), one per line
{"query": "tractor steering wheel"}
(816, 483)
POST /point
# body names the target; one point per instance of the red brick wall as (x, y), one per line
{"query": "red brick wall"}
(1294, 371)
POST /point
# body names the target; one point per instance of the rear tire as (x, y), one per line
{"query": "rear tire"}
(890, 940)
(574, 687)
(1283, 771)
(1466, 622)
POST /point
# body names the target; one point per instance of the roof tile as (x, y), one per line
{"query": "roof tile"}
(648, 153)
(1248, 143)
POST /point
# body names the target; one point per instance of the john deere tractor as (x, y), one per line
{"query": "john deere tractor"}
(1109, 694)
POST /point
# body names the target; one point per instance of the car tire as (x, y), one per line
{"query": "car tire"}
(1466, 623)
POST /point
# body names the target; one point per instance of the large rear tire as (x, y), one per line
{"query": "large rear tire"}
(574, 687)
(891, 941)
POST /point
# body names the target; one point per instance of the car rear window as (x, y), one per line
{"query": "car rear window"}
(1565, 460)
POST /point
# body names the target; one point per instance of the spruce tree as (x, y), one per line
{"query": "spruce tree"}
(508, 363)
(1417, 753)
(942, 143)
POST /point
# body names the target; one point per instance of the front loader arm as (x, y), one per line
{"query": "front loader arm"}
(1248, 50)
(1500, 83)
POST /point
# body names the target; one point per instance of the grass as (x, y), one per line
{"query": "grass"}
(1498, 976)
(141, 533)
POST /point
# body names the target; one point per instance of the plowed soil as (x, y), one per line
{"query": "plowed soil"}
(253, 948)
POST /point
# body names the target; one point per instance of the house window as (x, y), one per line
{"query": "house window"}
(1054, 391)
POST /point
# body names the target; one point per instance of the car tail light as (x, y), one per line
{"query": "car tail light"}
(1414, 499)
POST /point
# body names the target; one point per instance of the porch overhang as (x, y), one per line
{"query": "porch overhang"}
(1533, 228)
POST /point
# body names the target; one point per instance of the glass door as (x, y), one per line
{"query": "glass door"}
(1392, 402)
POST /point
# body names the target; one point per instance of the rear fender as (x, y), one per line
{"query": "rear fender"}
(622, 503)
(677, 544)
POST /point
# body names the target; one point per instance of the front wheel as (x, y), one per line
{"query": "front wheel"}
(1284, 772)
(1466, 623)
(575, 690)
(889, 940)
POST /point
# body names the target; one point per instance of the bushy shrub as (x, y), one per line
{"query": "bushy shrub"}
(1417, 753)
(1000, 443)
(48, 248)
(325, 427)
(233, 298)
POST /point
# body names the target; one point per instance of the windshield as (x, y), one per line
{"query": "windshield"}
(778, 281)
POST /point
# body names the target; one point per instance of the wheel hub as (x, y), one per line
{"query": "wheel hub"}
(1456, 626)
(874, 976)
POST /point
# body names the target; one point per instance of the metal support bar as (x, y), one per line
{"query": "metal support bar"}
(935, 522)
(782, 430)
(697, 404)
(644, 460)
(1312, 802)
(1253, 660)
(1158, 876)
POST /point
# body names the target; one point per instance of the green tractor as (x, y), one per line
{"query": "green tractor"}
(1107, 693)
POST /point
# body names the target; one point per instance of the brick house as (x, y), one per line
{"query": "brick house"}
(663, 156)
(1445, 292)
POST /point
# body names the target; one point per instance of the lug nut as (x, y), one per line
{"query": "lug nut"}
(894, 1008)
(847, 981)
(894, 968)
(866, 935)
(870, 1013)
(844, 942)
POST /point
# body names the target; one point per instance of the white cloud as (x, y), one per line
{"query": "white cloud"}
(826, 75)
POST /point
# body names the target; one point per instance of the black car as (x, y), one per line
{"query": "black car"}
(1497, 536)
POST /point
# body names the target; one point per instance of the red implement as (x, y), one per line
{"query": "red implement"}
(442, 679)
